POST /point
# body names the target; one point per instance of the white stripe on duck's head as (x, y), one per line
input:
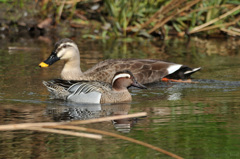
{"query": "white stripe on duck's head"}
(124, 79)
(65, 49)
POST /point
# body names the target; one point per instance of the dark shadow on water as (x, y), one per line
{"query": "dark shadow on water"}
(197, 83)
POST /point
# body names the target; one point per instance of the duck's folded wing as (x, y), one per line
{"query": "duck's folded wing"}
(84, 93)
(65, 83)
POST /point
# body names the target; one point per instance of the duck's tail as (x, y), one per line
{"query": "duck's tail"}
(189, 72)
(57, 91)
(184, 72)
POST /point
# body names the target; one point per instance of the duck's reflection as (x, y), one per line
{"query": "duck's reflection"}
(169, 91)
(174, 93)
(90, 111)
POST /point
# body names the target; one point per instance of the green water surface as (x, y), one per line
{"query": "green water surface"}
(192, 120)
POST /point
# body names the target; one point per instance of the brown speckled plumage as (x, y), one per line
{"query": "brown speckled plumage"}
(145, 70)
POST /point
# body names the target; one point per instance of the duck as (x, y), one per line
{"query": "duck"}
(144, 70)
(94, 92)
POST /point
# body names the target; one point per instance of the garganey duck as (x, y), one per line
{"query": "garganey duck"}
(94, 91)
(144, 70)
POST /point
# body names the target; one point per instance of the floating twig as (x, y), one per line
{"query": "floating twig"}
(48, 127)
(120, 137)
(108, 118)
(92, 136)
(27, 125)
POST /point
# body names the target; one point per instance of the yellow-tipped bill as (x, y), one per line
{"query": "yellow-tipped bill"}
(43, 64)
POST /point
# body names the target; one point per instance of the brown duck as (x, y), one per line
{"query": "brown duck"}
(144, 70)
(95, 91)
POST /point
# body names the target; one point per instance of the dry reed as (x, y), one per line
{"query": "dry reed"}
(49, 127)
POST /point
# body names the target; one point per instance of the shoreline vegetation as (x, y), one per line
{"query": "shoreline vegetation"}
(101, 19)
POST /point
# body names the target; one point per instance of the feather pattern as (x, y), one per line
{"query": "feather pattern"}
(144, 70)
(94, 91)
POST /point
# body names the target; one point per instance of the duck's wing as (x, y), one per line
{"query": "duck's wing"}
(87, 92)
(73, 84)
(144, 70)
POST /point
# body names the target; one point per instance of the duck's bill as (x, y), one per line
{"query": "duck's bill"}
(51, 59)
(43, 64)
(138, 85)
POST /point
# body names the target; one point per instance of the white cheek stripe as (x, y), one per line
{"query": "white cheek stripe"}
(173, 68)
(120, 76)
(68, 43)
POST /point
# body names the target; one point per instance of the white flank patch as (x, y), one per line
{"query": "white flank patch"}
(92, 97)
(120, 76)
(173, 68)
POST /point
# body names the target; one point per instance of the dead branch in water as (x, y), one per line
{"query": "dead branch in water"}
(27, 125)
(92, 136)
(120, 137)
(49, 127)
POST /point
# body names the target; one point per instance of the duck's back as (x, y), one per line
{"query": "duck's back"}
(145, 70)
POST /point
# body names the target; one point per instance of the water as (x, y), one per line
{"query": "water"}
(197, 120)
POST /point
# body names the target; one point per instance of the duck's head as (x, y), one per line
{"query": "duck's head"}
(65, 49)
(125, 79)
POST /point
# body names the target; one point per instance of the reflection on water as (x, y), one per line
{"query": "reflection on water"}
(74, 111)
(193, 120)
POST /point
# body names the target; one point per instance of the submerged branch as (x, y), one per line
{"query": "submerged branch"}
(48, 127)
(64, 132)
(120, 137)
(108, 118)
(27, 125)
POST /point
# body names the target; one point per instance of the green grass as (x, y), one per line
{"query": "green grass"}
(121, 18)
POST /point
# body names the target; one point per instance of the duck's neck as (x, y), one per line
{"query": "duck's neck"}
(72, 70)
